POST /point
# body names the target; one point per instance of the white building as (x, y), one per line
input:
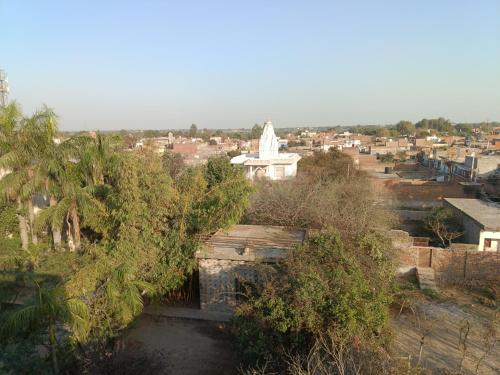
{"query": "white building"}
(268, 162)
(481, 222)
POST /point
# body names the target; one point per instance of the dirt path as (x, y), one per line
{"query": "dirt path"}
(189, 346)
(442, 323)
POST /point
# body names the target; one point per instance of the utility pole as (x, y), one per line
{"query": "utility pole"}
(4, 89)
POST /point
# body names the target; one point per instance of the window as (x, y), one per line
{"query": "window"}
(487, 243)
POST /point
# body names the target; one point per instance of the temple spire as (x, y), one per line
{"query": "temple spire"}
(268, 143)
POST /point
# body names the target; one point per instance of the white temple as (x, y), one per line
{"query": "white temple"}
(268, 162)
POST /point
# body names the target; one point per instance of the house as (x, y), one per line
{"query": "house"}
(268, 162)
(234, 261)
(481, 221)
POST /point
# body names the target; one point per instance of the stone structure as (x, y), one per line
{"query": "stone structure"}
(233, 262)
(268, 162)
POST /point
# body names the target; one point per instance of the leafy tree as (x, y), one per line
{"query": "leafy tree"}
(387, 158)
(193, 130)
(383, 132)
(444, 224)
(48, 309)
(440, 124)
(463, 129)
(218, 195)
(405, 128)
(256, 131)
(25, 140)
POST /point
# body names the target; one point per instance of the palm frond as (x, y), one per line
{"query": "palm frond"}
(79, 318)
(44, 218)
(20, 320)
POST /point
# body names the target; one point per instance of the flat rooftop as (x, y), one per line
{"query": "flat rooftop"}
(254, 159)
(487, 215)
(263, 241)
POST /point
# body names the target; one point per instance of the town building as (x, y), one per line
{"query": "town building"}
(234, 262)
(268, 162)
(481, 222)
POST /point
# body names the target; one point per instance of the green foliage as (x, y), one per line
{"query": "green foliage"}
(431, 293)
(19, 356)
(211, 197)
(256, 131)
(8, 220)
(383, 132)
(463, 129)
(440, 124)
(136, 220)
(326, 166)
(325, 286)
(387, 158)
(193, 130)
(233, 153)
(405, 128)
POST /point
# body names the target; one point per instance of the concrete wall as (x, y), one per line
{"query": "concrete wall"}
(494, 237)
(290, 171)
(471, 228)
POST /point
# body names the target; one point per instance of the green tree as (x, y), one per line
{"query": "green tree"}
(193, 130)
(213, 196)
(383, 132)
(25, 140)
(256, 131)
(405, 128)
(440, 124)
(463, 129)
(49, 309)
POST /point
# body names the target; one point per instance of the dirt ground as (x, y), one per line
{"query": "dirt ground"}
(188, 346)
(447, 323)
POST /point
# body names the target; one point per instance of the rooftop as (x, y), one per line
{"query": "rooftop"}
(254, 159)
(251, 242)
(484, 213)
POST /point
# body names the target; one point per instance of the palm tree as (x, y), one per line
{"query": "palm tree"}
(49, 310)
(73, 171)
(22, 143)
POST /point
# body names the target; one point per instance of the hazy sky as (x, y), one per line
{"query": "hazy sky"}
(166, 64)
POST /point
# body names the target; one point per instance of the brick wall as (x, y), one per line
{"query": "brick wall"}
(454, 266)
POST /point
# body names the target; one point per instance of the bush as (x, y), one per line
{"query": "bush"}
(387, 158)
(325, 287)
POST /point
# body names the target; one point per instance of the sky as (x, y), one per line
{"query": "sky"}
(230, 64)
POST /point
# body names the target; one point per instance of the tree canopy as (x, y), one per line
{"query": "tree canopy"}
(125, 224)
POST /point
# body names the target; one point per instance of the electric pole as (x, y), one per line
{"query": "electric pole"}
(4, 89)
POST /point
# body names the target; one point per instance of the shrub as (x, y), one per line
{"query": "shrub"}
(325, 287)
